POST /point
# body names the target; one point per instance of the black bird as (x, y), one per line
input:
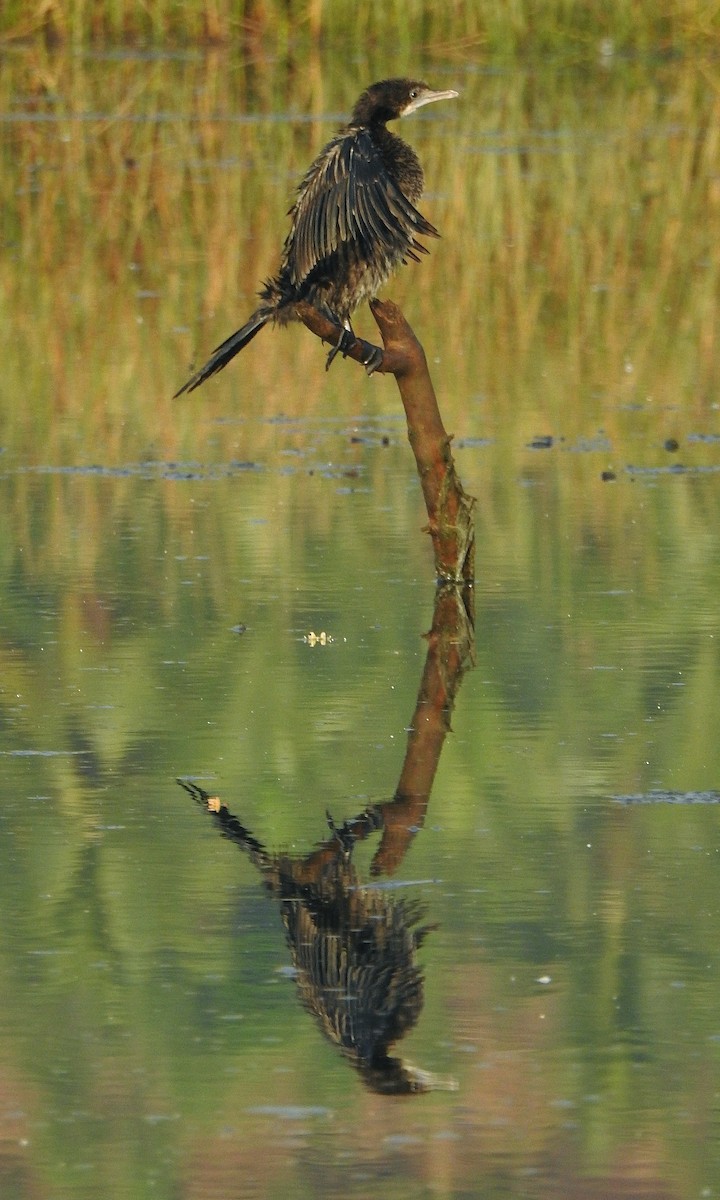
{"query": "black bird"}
(353, 222)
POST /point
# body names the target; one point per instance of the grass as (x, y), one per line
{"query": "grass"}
(518, 27)
(145, 200)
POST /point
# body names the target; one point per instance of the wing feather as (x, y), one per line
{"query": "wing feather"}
(349, 196)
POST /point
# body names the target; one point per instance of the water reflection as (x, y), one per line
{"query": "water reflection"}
(353, 949)
(353, 945)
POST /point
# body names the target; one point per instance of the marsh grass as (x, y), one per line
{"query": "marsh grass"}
(512, 28)
(574, 290)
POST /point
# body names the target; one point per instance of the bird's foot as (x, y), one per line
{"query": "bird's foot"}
(345, 342)
(342, 834)
(373, 360)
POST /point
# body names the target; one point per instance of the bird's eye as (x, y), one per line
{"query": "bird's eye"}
(413, 93)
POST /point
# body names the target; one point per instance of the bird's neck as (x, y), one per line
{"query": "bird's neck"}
(401, 161)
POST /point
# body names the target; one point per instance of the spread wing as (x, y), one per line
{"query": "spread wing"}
(349, 196)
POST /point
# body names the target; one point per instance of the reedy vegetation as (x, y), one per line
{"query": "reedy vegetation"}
(514, 28)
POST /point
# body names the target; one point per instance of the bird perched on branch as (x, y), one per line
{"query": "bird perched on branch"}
(353, 222)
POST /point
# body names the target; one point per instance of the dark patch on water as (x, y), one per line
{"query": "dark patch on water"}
(473, 443)
(660, 796)
(674, 469)
(147, 470)
(600, 443)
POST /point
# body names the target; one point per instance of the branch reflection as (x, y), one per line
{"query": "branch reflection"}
(353, 944)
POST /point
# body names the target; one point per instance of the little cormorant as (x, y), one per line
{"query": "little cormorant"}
(353, 222)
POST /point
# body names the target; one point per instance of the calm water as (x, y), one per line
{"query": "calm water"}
(167, 572)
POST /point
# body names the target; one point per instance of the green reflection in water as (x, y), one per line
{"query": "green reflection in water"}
(150, 1040)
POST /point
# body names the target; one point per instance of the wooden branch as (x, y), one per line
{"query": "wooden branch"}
(449, 509)
(450, 653)
(451, 649)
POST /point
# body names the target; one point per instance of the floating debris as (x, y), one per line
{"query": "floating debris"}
(660, 796)
(179, 471)
(318, 639)
(674, 469)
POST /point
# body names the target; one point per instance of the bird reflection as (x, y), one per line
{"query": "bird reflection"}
(353, 947)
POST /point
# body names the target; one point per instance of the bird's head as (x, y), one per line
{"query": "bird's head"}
(393, 98)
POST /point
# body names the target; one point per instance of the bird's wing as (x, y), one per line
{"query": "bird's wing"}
(348, 195)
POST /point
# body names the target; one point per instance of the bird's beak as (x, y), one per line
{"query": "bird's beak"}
(427, 97)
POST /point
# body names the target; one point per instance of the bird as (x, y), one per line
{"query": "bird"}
(352, 223)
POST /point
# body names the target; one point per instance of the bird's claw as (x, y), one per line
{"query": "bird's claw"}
(344, 344)
(374, 360)
(342, 834)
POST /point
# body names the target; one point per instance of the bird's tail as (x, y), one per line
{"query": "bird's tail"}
(222, 355)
